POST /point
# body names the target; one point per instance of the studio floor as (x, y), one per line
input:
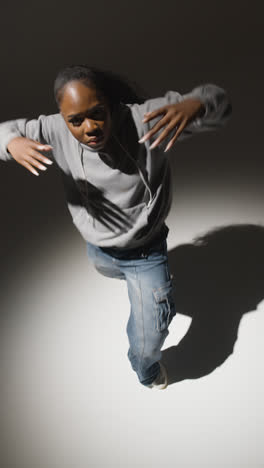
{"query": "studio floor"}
(71, 399)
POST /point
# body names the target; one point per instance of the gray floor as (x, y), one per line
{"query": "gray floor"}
(70, 397)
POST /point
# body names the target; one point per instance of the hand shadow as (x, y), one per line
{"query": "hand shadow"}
(217, 279)
(82, 193)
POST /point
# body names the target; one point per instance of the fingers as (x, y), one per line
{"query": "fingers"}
(41, 147)
(33, 160)
(169, 118)
(30, 168)
(150, 116)
(155, 113)
(35, 163)
(178, 132)
(163, 135)
(26, 152)
(39, 156)
(179, 122)
(154, 129)
(171, 126)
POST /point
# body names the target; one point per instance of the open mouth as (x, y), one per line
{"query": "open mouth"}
(94, 141)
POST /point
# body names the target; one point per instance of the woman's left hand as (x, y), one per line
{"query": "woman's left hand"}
(174, 116)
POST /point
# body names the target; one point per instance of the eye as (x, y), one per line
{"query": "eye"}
(76, 122)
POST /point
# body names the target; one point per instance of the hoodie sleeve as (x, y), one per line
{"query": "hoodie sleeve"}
(218, 109)
(35, 129)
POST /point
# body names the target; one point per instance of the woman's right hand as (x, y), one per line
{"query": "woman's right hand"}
(25, 152)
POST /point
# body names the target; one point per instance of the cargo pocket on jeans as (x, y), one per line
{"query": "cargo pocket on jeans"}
(164, 306)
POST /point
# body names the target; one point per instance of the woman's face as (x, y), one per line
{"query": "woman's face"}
(86, 115)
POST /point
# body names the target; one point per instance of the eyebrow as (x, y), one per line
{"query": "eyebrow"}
(86, 112)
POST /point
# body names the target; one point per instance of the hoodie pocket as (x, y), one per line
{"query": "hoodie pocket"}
(164, 306)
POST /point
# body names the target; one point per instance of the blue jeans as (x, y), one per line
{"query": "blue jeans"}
(150, 293)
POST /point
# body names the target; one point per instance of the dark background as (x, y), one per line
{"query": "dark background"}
(162, 46)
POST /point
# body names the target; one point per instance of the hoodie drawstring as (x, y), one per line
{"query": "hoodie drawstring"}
(138, 168)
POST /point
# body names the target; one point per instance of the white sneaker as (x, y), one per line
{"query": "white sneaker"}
(161, 381)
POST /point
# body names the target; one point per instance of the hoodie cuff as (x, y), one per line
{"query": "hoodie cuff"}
(215, 101)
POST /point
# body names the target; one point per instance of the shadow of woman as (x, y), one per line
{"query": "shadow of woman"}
(217, 279)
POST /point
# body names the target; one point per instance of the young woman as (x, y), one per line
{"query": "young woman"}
(111, 146)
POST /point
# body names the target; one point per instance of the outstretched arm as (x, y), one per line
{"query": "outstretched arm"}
(177, 116)
(22, 140)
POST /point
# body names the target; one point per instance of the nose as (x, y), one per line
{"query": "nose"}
(90, 126)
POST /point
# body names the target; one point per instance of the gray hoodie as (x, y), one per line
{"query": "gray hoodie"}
(119, 197)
